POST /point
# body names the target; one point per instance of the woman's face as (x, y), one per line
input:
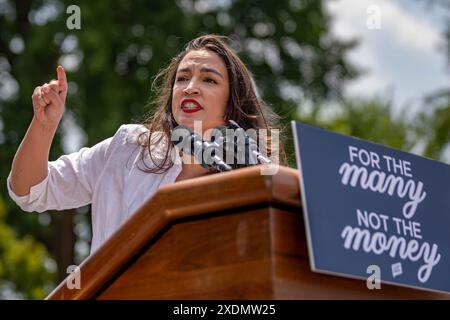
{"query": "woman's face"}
(201, 90)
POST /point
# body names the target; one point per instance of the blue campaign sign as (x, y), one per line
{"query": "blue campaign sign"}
(369, 205)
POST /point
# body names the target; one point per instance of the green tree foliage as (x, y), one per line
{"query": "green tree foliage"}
(434, 127)
(369, 119)
(25, 268)
(434, 124)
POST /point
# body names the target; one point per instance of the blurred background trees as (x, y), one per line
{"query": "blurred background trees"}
(299, 66)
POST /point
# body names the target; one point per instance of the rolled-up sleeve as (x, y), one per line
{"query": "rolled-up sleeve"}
(69, 183)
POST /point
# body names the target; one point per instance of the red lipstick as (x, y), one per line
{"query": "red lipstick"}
(190, 106)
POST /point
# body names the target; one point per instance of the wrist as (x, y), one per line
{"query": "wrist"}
(48, 128)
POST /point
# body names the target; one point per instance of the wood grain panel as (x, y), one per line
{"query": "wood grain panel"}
(222, 257)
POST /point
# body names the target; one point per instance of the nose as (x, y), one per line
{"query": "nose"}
(191, 88)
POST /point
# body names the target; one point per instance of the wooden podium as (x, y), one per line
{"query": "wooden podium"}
(234, 235)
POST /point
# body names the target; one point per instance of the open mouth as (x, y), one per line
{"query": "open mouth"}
(190, 106)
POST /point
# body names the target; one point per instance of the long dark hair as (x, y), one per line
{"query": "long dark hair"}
(244, 106)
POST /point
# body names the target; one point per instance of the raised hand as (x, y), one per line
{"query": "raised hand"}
(49, 100)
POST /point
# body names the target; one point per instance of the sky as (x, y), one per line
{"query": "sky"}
(402, 55)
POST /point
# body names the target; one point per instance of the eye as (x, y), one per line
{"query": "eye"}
(210, 80)
(181, 78)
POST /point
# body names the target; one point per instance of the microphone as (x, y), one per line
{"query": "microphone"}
(203, 151)
(251, 151)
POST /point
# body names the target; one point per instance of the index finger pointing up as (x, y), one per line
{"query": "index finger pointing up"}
(62, 80)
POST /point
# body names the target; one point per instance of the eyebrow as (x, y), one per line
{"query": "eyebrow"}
(203, 69)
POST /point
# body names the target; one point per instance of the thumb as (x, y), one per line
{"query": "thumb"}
(62, 82)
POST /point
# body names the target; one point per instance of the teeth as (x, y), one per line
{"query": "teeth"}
(190, 105)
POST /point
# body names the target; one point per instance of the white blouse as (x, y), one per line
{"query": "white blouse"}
(107, 176)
